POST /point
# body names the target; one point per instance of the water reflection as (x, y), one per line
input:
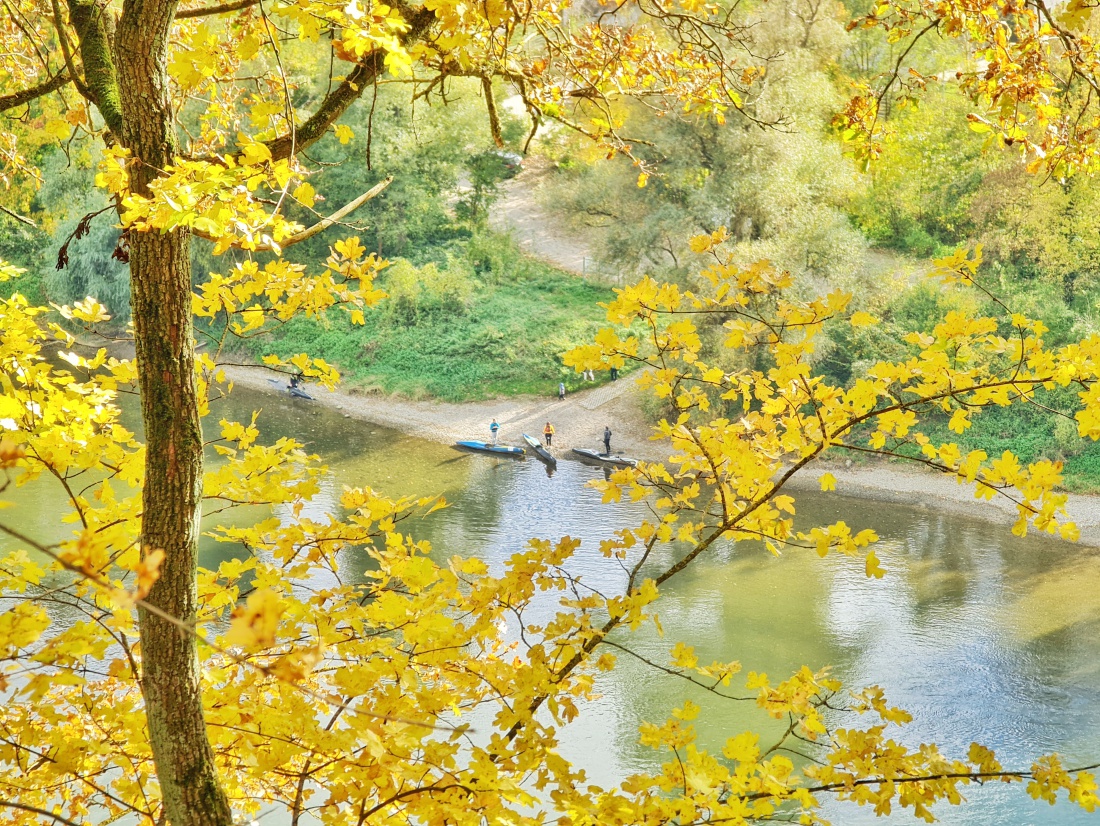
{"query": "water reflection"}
(981, 635)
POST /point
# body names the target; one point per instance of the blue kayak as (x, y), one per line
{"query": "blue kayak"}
(488, 447)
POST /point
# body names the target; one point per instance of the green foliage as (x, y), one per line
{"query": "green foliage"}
(783, 194)
(1038, 230)
(16, 241)
(450, 333)
(67, 201)
(929, 174)
(497, 259)
(485, 171)
(419, 295)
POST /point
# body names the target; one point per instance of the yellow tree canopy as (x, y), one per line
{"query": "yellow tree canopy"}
(263, 81)
(350, 698)
(193, 696)
(1031, 69)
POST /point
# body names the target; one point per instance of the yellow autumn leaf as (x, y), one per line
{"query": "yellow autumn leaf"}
(253, 626)
(873, 569)
(960, 420)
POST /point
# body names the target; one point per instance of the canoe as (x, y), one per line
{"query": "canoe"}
(488, 447)
(604, 458)
(540, 451)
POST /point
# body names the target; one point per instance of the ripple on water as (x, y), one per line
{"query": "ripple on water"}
(981, 635)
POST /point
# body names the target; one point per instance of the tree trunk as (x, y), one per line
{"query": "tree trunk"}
(160, 278)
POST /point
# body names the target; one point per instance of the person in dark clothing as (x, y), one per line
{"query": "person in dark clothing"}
(614, 373)
(607, 441)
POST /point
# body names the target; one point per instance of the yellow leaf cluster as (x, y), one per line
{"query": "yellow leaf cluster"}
(345, 658)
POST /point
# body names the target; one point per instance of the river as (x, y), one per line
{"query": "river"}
(980, 635)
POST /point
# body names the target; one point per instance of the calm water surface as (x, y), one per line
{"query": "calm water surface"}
(980, 635)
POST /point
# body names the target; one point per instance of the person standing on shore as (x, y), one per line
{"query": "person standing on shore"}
(561, 391)
(548, 432)
(494, 428)
(607, 441)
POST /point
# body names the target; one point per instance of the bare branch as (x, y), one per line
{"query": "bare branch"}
(221, 8)
(23, 807)
(340, 214)
(320, 226)
(27, 95)
(23, 219)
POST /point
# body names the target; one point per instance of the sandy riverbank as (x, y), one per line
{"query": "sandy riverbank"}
(582, 416)
(579, 420)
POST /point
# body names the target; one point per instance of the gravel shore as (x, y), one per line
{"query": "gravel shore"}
(580, 419)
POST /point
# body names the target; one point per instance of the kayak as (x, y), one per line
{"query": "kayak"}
(540, 451)
(488, 447)
(604, 458)
(297, 392)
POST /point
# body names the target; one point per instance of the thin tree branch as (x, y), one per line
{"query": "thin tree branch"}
(320, 226)
(11, 804)
(20, 218)
(27, 95)
(221, 8)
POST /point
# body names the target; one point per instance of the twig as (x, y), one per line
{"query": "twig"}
(21, 218)
(320, 226)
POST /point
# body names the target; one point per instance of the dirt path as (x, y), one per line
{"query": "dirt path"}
(538, 233)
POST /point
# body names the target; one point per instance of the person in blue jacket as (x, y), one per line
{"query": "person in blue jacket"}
(493, 428)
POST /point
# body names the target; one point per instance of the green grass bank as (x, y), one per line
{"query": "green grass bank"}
(485, 321)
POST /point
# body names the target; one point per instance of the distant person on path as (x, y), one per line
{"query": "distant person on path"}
(607, 441)
(589, 375)
(493, 428)
(548, 432)
(561, 391)
(614, 373)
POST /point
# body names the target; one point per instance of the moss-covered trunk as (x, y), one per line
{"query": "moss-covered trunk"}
(160, 274)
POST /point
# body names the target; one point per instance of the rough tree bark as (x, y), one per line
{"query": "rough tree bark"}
(160, 278)
(127, 79)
